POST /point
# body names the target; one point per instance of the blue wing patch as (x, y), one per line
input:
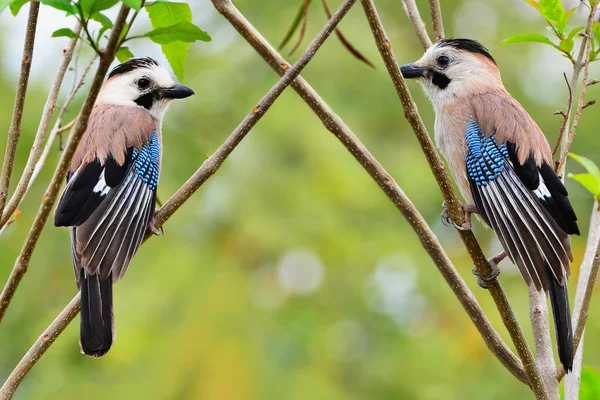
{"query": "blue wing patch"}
(486, 159)
(146, 162)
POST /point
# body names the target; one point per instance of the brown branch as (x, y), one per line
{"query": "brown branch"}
(14, 131)
(412, 12)
(436, 18)
(565, 116)
(36, 150)
(582, 63)
(303, 27)
(451, 200)
(49, 198)
(335, 125)
(208, 169)
(38, 349)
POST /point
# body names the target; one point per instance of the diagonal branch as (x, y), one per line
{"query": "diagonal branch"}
(22, 262)
(37, 148)
(412, 12)
(14, 131)
(436, 165)
(209, 167)
(38, 349)
(335, 125)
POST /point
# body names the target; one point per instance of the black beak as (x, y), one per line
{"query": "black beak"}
(409, 71)
(177, 91)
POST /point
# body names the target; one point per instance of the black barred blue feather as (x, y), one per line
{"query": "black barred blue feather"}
(146, 161)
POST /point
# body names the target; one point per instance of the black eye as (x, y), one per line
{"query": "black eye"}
(143, 83)
(443, 61)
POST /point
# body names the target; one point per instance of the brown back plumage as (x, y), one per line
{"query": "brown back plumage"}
(113, 128)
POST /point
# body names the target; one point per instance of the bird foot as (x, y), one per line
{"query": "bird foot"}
(467, 209)
(494, 261)
(156, 231)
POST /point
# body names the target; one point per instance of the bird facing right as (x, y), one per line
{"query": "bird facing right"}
(502, 164)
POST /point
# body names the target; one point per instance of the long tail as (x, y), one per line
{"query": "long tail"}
(562, 319)
(97, 321)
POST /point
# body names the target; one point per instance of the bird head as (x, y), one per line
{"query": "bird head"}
(452, 68)
(142, 82)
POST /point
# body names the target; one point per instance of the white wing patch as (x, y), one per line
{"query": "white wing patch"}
(542, 191)
(101, 187)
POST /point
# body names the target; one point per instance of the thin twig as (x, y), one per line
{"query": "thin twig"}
(412, 12)
(335, 125)
(14, 131)
(38, 349)
(22, 262)
(128, 26)
(57, 129)
(345, 42)
(36, 149)
(451, 200)
(436, 18)
(565, 116)
(582, 63)
(302, 28)
(69, 313)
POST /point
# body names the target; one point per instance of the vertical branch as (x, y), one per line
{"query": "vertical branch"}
(540, 317)
(36, 150)
(436, 18)
(22, 262)
(412, 12)
(332, 122)
(14, 131)
(39, 348)
(441, 176)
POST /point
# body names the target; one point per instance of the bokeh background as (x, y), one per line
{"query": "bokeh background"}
(289, 274)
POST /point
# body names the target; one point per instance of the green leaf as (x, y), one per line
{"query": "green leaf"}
(63, 5)
(591, 180)
(183, 31)
(590, 384)
(15, 6)
(593, 55)
(586, 163)
(103, 19)
(575, 31)
(162, 15)
(93, 6)
(528, 37)
(124, 54)
(596, 30)
(135, 4)
(65, 32)
(554, 12)
(534, 4)
(567, 45)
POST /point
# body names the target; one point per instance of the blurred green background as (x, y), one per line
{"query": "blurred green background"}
(289, 274)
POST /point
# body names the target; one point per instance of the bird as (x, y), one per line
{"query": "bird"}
(110, 196)
(502, 165)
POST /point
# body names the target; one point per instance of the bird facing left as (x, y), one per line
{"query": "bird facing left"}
(110, 196)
